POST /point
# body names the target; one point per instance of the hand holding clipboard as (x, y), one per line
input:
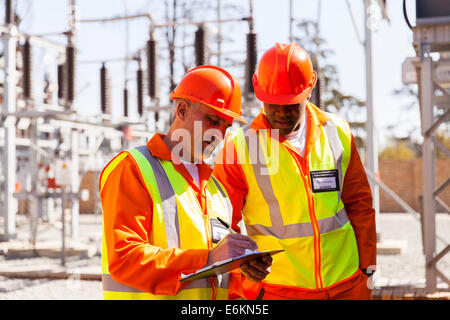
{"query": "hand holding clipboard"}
(228, 264)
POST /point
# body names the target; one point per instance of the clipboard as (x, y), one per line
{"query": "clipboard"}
(226, 265)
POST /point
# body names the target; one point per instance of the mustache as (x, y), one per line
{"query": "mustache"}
(284, 120)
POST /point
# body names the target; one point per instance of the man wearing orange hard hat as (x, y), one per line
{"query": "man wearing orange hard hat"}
(296, 182)
(161, 205)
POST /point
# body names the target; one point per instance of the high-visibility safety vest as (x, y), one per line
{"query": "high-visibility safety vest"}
(178, 221)
(281, 211)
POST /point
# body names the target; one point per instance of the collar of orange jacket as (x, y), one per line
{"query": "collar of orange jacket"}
(314, 118)
(159, 149)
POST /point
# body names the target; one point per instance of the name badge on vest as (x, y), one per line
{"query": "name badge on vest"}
(218, 230)
(325, 180)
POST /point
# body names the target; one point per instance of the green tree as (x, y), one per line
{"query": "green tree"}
(397, 149)
(443, 136)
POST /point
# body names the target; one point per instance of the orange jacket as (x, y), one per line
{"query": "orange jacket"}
(356, 194)
(127, 211)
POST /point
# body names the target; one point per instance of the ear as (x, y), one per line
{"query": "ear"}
(182, 109)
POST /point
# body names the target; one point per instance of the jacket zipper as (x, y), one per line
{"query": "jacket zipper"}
(317, 231)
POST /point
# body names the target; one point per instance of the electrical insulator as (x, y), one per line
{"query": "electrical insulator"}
(251, 60)
(140, 91)
(27, 70)
(9, 12)
(200, 46)
(61, 82)
(105, 90)
(125, 102)
(151, 67)
(70, 72)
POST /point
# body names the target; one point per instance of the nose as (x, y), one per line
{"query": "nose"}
(286, 109)
(214, 134)
(283, 113)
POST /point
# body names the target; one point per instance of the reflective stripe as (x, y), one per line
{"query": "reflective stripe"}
(333, 222)
(199, 284)
(264, 184)
(168, 198)
(336, 150)
(282, 232)
(109, 284)
(296, 230)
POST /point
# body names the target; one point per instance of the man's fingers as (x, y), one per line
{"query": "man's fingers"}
(231, 245)
(261, 264)
(268, 259)
(248, 273)
(253, 273)
(243, 240)
(257, 270)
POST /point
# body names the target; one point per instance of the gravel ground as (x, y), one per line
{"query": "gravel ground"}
(45, 289)
(409, 267)
(400, 230)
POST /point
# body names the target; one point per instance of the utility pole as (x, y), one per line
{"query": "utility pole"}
(429, 169)
(9, 106)
(74, 150)
(371, 141)
(430, 35)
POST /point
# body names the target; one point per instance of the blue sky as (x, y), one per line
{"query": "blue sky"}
(392, 43)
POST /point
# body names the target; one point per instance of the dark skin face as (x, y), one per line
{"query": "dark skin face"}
(286, 118)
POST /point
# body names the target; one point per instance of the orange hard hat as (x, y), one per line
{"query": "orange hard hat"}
(214, 87)
(284, 75)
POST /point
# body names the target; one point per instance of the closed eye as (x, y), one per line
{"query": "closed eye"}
(214, 121)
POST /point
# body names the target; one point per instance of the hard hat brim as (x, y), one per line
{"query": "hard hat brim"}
(226, 113)
(282, 99)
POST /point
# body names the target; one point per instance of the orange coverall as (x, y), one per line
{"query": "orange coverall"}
(133, 260)
(356, 196)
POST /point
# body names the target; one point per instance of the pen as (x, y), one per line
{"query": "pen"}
(226, 225)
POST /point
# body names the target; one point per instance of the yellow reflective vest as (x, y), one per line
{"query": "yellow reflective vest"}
(301, 212)
(177, 221)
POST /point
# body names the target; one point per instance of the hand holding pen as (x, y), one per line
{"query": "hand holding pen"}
(255, 270)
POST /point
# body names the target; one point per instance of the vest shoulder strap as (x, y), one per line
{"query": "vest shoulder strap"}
(164, 186)
(152, 170)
